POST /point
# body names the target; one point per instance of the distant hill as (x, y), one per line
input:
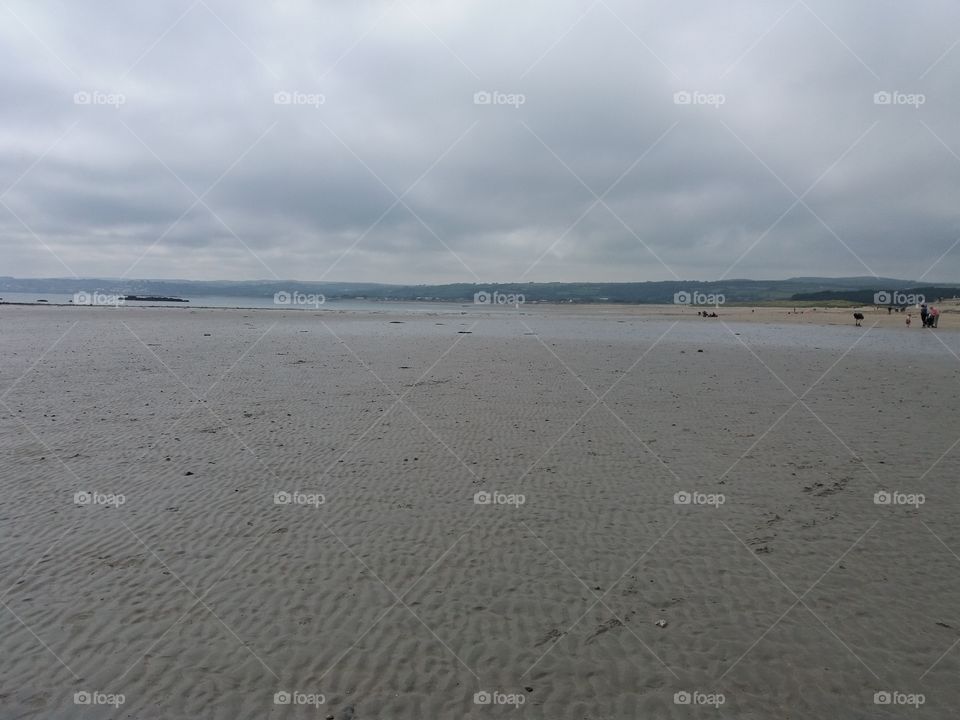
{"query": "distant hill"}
(856, 289)
(889, 296)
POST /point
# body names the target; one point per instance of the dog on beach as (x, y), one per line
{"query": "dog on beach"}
(858, 318)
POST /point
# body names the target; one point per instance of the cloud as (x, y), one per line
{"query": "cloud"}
(405, 142)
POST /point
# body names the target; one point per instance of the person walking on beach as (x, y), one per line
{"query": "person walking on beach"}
(908, 320)
(923, 315)
(934, 316)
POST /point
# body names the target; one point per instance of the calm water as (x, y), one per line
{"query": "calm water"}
(888, 345)
(262, 303)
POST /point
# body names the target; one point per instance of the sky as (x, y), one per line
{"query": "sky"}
(431, 142)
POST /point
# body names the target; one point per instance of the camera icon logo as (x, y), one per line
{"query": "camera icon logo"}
(82, 98)
(482, 698)
(281, 698)
(82, 498)
(882, 298)
(482, 97)
(82, 298)
(483, 498)
(682, 97)
(682, 698)
(682, 298)
(282, 498)
(481, 298)
(282, 98)
(882, 98)
(81, 698)
(682, 498)
(882, 497)
(882, 697)
(281, 298)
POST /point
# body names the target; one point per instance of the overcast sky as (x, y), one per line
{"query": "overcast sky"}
(484, 141)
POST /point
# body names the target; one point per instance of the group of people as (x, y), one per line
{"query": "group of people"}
(929, 316)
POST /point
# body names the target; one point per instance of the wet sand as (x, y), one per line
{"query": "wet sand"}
(287, 502)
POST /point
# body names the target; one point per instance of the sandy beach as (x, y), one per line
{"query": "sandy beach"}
(552, 512)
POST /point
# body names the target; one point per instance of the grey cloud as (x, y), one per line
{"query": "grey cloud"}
(397, 84)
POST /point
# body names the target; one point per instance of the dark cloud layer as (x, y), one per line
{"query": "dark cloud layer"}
(621, 140)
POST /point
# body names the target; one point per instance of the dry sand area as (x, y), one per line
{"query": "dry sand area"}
(204, 593)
